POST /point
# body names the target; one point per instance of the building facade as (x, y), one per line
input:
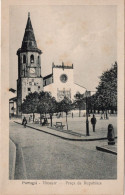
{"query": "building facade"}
(12, 102)
(61, 82)
(29, 66)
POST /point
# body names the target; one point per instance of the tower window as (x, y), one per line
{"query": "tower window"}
(32, 58)
(38, 60)
(24, 59)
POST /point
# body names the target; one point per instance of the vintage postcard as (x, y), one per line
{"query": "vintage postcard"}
(62, 97)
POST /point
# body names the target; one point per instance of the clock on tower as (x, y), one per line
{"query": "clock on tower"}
(32, 72)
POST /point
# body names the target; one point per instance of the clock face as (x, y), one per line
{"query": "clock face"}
(63, 78)
(32, 70)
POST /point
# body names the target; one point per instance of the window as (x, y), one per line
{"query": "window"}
(30, 43)
(12, 108)
(24, 59)
(38, 60)
(29, 89)
(38, 87)
(63, 78)
(32, 58)
(30, 83)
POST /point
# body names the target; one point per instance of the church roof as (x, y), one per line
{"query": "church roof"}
(12, 90)
(48, 76)
(29, 41)
(13, 99)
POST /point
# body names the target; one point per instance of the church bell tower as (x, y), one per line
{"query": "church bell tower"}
(29, 66)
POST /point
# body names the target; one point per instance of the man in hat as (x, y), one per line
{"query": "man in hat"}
(93, 122)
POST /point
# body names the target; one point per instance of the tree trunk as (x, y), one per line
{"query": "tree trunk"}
(66, 121)
(40, 119)
(106, 114)
(51, 120)
(33, 117)
(79, 112)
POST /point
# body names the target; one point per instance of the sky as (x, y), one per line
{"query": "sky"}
(85, 36)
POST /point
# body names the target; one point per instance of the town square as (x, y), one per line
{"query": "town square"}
(63, 113)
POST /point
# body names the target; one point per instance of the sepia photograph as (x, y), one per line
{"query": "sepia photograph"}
(63, 83)
(65, 98)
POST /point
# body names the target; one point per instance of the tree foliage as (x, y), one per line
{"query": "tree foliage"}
(65, 105)
(106, 96)
(41, 103)
(30, 103)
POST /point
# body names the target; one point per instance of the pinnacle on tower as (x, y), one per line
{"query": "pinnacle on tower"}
(29, 41)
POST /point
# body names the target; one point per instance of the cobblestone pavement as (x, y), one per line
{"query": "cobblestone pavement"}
(49, 157)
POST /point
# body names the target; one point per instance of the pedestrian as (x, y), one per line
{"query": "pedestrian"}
(93, 122)
(24, 122)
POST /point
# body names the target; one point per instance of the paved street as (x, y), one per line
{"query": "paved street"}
(49, 157)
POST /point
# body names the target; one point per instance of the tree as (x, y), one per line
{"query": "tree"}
(65, 106)
(107, 90)
(51, 107)
(42, 106)
(79, 101)
(46, 104)
(30, 103)
(92, 103)
(41, 103)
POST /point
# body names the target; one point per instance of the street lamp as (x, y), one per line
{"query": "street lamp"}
(87, 121)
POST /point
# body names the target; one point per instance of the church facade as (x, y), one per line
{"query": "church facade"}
(59, 83)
